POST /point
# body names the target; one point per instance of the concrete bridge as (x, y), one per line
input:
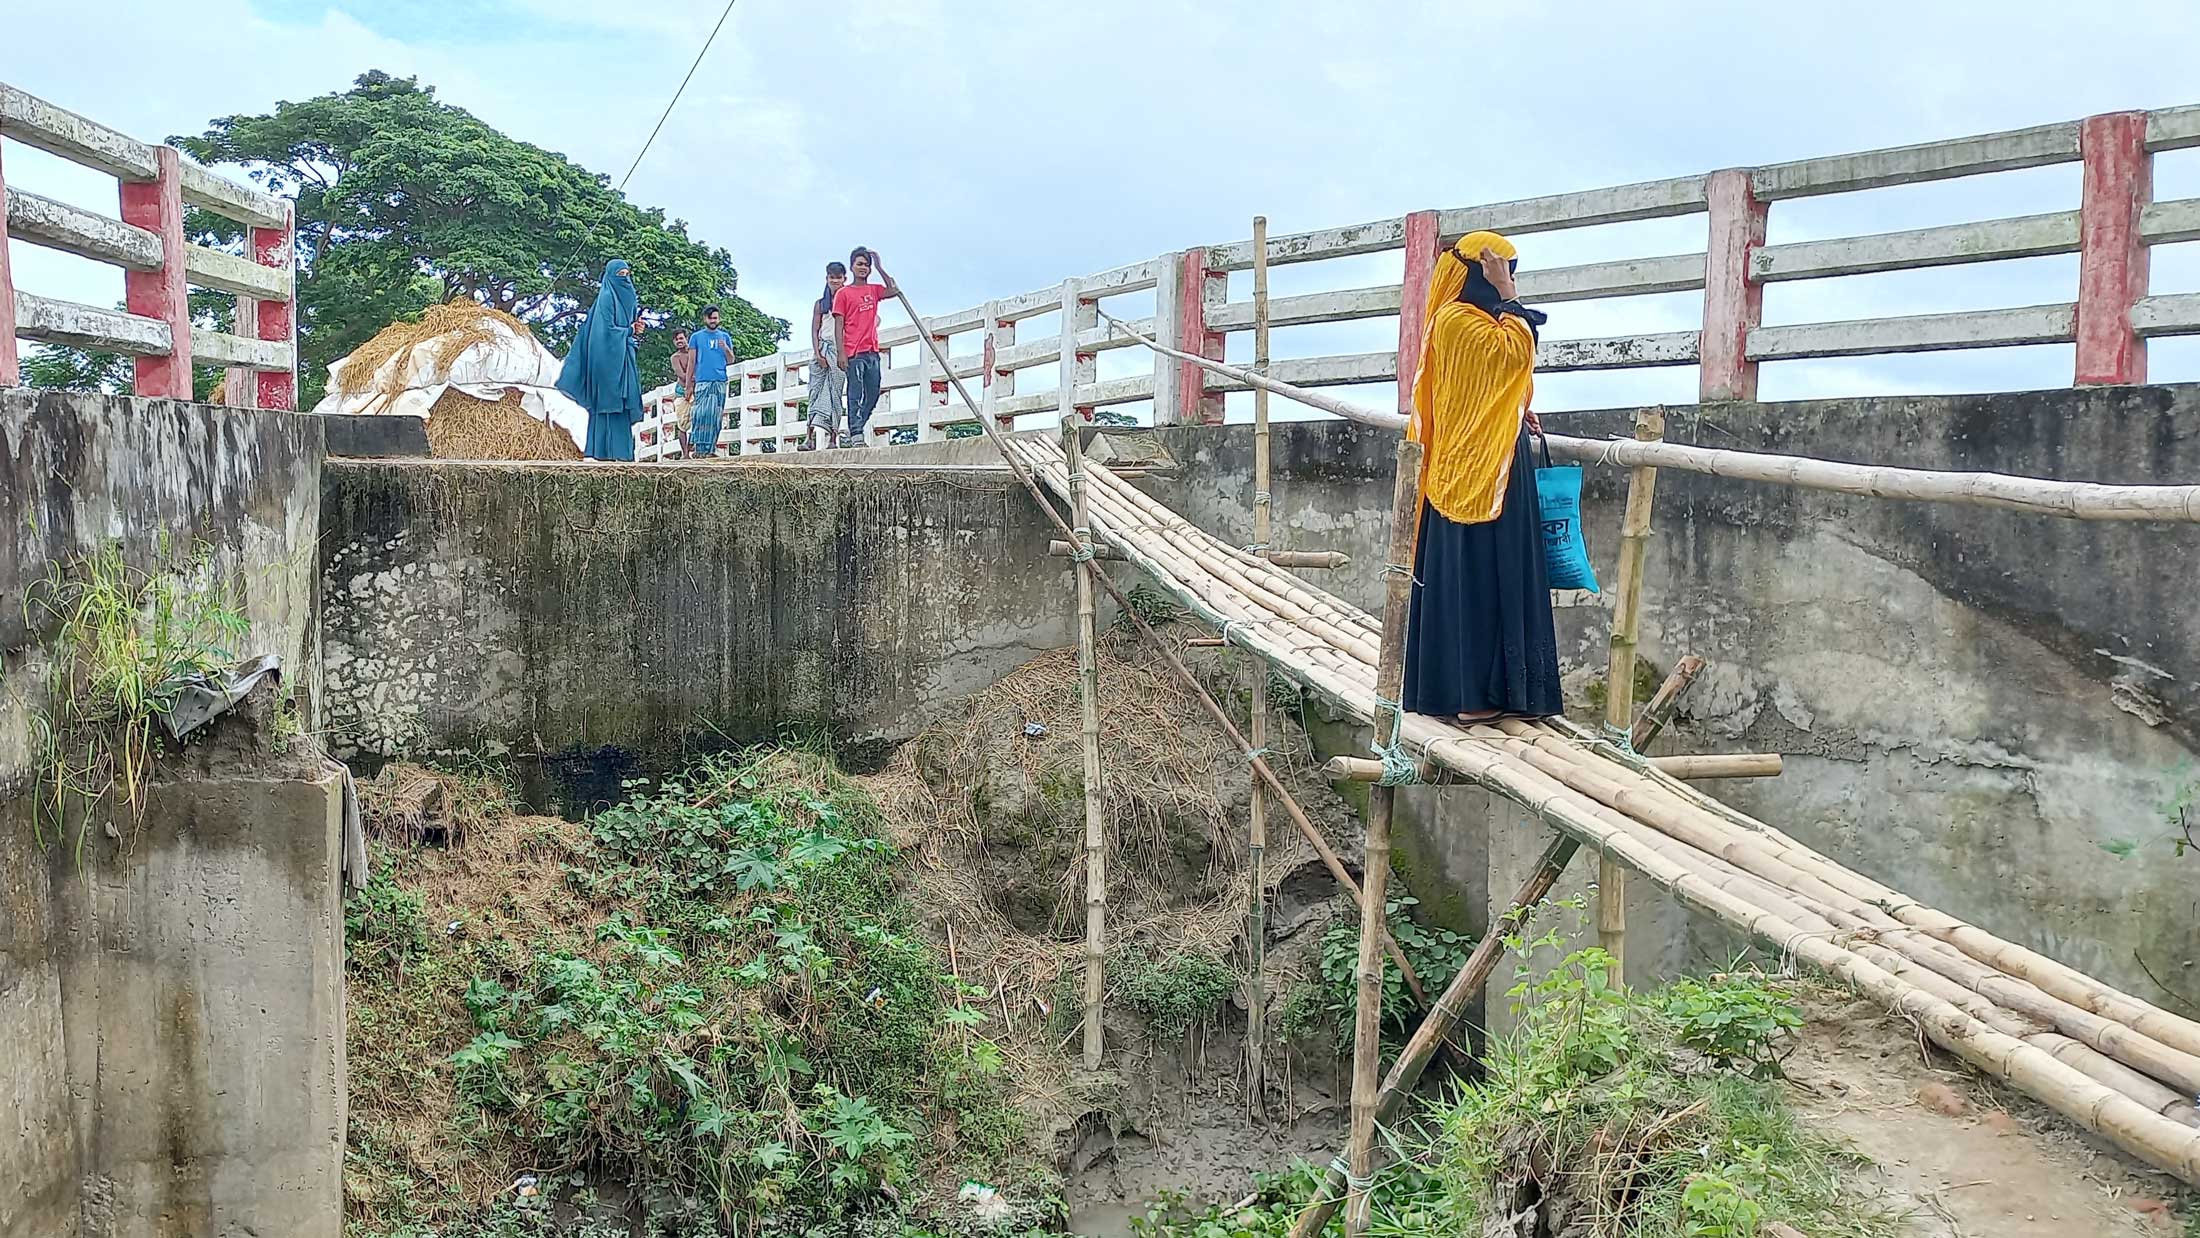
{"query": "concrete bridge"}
(2011, 692)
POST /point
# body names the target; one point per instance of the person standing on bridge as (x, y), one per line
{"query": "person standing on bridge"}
(828, 381)
(603, 373)
(1479, 638)
(713, 353)
(683, 387)
(855, 311)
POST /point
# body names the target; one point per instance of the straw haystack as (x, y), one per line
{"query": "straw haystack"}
(485, 385)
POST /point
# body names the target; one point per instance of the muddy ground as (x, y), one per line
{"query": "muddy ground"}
(1967, 1157)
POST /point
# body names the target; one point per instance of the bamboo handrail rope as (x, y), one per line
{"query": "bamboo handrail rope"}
(2037, 495)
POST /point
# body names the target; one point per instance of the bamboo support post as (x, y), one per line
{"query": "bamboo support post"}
(1390, 674)
(1660, 709)
(1026, 475)
(1088, 693)
(1256, 894)
(1405, 1073)
(1619, 679)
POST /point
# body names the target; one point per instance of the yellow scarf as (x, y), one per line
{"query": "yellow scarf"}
(1475, 378)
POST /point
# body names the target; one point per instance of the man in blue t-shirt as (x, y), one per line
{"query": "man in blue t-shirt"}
(713, 349)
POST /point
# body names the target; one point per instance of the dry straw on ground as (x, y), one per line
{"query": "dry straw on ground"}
(461, 427)
(454, 327)
(959, 798)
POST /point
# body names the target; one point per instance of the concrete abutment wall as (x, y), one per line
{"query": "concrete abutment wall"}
(171, 993)
(1973, 702)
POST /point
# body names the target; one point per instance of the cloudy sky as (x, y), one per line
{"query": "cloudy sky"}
(988, 148)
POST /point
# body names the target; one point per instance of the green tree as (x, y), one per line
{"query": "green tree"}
(404, 201)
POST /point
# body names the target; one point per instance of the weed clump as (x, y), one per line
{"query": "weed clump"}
(128, 640)
(707, 1011)
(1606, 1112)
(1176, 992)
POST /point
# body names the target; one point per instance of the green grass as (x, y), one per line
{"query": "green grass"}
(126, 639)
(712, 994)
(1654, 1113)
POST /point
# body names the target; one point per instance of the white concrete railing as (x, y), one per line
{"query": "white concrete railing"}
(159, 265)
(2110, 317)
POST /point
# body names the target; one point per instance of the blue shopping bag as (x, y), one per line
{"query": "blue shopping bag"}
(1558, 493)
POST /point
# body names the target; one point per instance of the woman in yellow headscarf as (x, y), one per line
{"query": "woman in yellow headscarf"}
(1479, 640)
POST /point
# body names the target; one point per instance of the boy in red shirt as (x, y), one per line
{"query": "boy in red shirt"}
(855, 307)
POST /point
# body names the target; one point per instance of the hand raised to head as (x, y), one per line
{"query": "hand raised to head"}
(1498, 271)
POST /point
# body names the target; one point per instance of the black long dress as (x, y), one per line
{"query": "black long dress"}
(1479, 635)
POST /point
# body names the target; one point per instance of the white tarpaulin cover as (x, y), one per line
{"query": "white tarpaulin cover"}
(485, 368)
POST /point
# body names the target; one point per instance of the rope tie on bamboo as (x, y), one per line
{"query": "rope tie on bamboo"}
(1254, 548)
(1261, 753)
(1083, 553)
(1393, 569)
(1399, 767)
(1621, 743)
(1260, 498)
(1355, 1185)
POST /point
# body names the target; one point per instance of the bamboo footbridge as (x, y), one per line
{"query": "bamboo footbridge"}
(2117, 1065)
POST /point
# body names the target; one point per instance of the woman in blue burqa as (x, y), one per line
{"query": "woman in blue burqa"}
(603, 373)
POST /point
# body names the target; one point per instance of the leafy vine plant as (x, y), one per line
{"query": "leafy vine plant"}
(126, 639)
(2181, 814)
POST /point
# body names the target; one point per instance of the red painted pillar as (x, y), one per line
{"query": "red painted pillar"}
(157, 207)
(277, 320)
(10, 373)
(1732, 301)
(1198, 288)
(1413, 301)
(2112, 256)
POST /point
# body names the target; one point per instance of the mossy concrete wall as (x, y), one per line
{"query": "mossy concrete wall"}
(1979, 707)
(552, 612)
(171, 1007)
(162, 481)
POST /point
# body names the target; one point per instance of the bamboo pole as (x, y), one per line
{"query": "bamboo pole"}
(1390, 674)
(2132, 1126)
(1256, 893)
(1281, 558)
(1655, 714)
(1221, 718)
(1704, 766)
(2077, 500)
(1405, 1073)
(1088, 694)
(1619, 678)
(1721, 765)
(1776, 872)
